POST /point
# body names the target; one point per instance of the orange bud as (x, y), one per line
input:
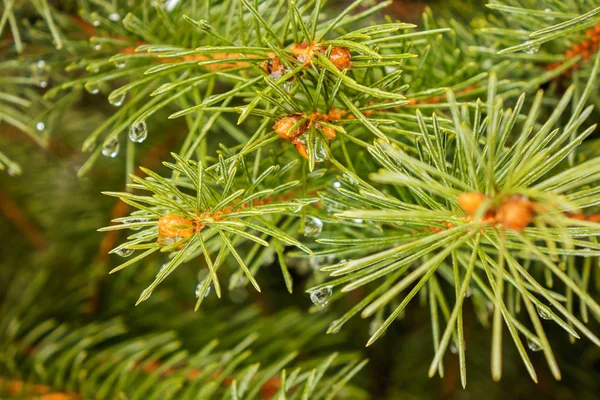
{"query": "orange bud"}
(56, 396)
(274, 68)
(514, 213)
(586, 55)
(470, 202)
(327, 131)
(284, 125)
(577, 216)
(340, 57)
(334, 113)
(173, 226)
(270, 388)
(301, 147)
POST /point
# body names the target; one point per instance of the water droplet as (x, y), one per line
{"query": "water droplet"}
(453, 348)
(136, 221)
(198, 291)
(40, 126)
(549, 17)
(321, 296)
(358, 221)
(111, 148)
(124, 252)
(287, 86)
(320, 151)
(313, 227)
(145, 296)
(171, 4)
(163, 267)
(302, 58)
(114, 17)
(98, 47)
(531, 48)
(92, 87)
(40, 73)
(167, 240)
(117, 100)
(468, 292)
(543, 313)
(96, 23)
(138, 132)
(533, 345)
(120, 63)
(337, 185)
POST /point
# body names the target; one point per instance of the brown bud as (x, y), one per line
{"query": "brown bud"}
(340, 57)
(284, 125)
(270, 388)
(304, 52)
(274, 68)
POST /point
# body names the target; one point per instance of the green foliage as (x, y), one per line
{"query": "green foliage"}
(363, 185)
(105, 359)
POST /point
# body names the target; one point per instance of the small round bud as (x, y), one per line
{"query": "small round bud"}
(303, 52)
(514, 213)
(340, 57)
(470, 202)
(283, 127)
(173, 226)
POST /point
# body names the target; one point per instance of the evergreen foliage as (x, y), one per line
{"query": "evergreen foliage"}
(369, 159)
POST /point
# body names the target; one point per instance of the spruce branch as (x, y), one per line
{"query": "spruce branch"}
(223, 206)
(244, 360)
(487, 178)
